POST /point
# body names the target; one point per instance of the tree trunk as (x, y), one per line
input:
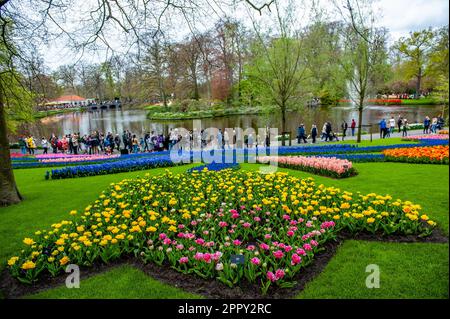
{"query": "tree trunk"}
(360, 113)
(418, 84)
(9, 193)
(162, 92)
(196, 93)
(283, 124)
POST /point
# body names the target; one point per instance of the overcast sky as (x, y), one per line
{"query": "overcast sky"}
(399, 16)
(403, 16)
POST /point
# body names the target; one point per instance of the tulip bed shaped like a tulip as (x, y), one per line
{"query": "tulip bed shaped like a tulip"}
(197, 223)
(325, 166)
(423, 155)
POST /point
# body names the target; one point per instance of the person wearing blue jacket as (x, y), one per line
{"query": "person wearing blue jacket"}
(301, 134)
(382, 125)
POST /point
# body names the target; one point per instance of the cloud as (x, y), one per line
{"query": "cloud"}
(403, 16)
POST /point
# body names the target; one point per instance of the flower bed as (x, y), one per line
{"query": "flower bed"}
(199, 223)
(77, 158)
(214, 167)
(326, 166)
(443, 132)
(360, 158)
(426, 137)
(426, 155)
(19, 155)
(110, 168)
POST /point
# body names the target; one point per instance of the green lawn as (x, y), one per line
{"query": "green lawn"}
(422, 268)
(407, 270)
(377, 141)
(114, 284)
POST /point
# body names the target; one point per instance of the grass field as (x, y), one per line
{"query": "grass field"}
(407, 270)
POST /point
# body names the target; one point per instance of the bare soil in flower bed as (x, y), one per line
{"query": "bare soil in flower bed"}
(12, 288)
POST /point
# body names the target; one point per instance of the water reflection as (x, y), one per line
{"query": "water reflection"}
(117, 121)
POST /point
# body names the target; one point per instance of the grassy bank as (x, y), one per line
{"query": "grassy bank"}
(160, 113)
(426, 101)
(42, 114)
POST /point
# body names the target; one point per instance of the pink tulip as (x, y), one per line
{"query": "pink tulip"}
(255, 261)
(162, 236)
(271, 276)
(278, 254)
(200, 241)
(296, 259)
(207, 257)
(279, 274)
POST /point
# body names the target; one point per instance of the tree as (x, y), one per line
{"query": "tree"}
(67, 74)
(37, 21)
(442, 92)
(15, 104)
(327, 81)
(364, 50)
(190, 54)
(155, 66)
(278, 65)
(416, 50)
(439, 55)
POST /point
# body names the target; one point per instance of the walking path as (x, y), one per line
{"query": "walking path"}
(364, 137)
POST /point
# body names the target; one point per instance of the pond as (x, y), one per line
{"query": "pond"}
(116, 121)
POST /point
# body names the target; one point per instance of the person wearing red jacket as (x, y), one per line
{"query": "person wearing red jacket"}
(353, 126)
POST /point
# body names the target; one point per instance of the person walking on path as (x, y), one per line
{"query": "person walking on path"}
(391, 125)
(382, 125)
(328, 130)
(399, 123)
(135, 143)
(22, 145)
(44, 144)
(426, 125)
(314, 133)
(54, 143)
(31, 144)
(226, 139)
(344, 127)
(220, 139)
(324, 131)
(75, 143)
(250, 141)
(434, 124)
(353, 126)
(405, 127)
(301, 134)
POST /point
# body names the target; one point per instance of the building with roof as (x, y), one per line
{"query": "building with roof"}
(70, 100)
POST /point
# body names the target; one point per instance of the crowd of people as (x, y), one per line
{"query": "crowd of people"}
(100, 143)
(387, 127)
(327, 133)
